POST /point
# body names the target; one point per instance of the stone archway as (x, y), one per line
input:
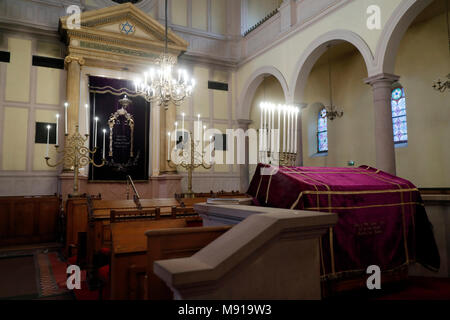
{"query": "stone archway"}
(252, 85)
(393, 32)
(316, 49)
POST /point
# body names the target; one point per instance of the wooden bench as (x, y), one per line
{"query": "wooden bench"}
(172, 244)
(129, 250)
(26, 220)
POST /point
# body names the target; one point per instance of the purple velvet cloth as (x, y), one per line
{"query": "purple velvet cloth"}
(382, 219)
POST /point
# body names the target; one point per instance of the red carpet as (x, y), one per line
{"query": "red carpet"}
(416, 288)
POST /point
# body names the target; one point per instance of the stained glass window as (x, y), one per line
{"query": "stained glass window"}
(322, 132)
(398, 103)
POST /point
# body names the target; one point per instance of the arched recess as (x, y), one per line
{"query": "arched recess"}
(316, 49)
(393, 33)
(252, 84)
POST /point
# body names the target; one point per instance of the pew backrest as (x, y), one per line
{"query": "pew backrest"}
(171, 244)
(124, 216)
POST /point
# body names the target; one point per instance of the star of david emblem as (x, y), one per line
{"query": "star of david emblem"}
(127, 28)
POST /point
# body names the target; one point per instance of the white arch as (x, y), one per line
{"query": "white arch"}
(252, 84)
(316, 48)
(393, 32)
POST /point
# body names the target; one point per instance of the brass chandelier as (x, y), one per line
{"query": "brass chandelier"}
(331, 111)
(439, 85)
(159, 86)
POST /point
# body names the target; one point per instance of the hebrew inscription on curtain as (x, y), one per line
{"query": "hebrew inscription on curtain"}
(122, 128)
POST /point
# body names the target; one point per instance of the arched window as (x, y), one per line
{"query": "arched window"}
(398, 103)
(322, 132)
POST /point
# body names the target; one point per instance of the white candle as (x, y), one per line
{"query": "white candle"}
(66, 104)
(204, 136)
(292, 130)
(86, 106)
(199, 126)
(295, 130)
(284, 128)
(260, 126)
(279, 126)
(104, 139)
(168, 146)
(57, 126)
(95, 132)
(288, 133)
(182, 127)
(176, 134)
(48, 140)
(272, 132)
(263, 127)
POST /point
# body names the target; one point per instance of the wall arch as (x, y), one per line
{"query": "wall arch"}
(393, 33)
(252, 84)
(315, 50)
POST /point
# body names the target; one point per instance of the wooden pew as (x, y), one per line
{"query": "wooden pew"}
(171, 244)
(130, 247)
(99, 231)
(26, 220)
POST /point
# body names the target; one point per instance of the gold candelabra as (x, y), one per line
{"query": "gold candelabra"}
(75, 154)
(189, 160)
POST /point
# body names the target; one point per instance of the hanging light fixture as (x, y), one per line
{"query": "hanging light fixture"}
(331, 112)
(159, 86)
(444, 85)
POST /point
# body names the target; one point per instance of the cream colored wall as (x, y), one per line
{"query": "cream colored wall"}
(28, 94)
(286, 55)
(200, 14)
(15, 126)
(258, 9)
(179, 12)
(352, 136)
(219, 16)
(425, 159)
(18, 70)
(422, 59)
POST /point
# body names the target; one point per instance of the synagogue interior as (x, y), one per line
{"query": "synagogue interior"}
(224, 150)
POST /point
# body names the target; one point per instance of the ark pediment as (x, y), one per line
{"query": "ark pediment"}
(119, 33)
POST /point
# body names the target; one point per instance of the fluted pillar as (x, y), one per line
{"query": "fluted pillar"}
(156, 141)
(170, 118)
(244, 168)
(73, 65)
(384, 137)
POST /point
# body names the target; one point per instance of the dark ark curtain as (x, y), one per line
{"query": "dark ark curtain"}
(128, 124)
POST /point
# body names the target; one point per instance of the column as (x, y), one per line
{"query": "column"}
(73, 90)
(384, 137)
(244, 168)
(299, 133)
(155, 120)
(162, 141)
(171, 115)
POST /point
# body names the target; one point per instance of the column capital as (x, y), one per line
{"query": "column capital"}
(300, 105)
(244, 123)
(382, 78)
(70, 59)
